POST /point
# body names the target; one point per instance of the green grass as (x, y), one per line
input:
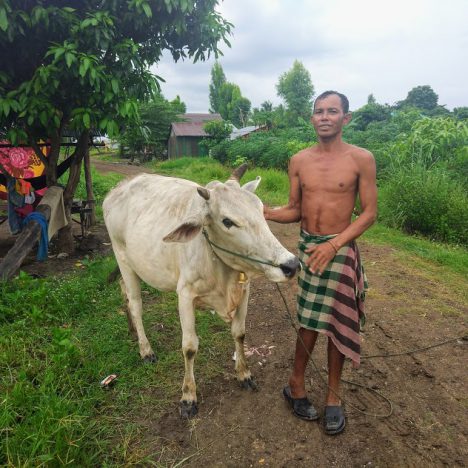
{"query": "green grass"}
(59, 338)
(452, 257)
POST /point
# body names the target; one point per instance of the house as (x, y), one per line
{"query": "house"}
(187, 134)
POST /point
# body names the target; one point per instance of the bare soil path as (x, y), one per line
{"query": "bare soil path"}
(407, 308)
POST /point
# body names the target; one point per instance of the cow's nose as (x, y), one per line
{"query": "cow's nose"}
(290, 267)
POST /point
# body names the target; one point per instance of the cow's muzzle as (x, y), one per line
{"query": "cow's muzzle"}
(290, 267)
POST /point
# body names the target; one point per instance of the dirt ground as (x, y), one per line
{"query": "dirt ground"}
(406, 309)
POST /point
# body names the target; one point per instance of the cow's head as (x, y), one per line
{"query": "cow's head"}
(232, 217)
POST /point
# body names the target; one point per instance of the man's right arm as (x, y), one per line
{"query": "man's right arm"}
(290, 213)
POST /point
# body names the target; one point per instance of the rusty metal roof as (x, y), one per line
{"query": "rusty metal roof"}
(193, 125)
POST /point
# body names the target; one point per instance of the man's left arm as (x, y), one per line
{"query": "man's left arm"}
(367, 189)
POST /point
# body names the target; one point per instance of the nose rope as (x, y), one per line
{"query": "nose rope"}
(212, 244)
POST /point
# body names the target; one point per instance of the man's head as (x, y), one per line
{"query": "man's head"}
(343, 99)
(331, 114)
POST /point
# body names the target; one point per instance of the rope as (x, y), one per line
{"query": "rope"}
(390, 405)
(245, 257)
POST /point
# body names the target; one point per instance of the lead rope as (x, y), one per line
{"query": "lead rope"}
(317, 370)
(409, 352)
(212, 244)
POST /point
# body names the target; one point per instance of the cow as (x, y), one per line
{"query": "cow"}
(206, 243)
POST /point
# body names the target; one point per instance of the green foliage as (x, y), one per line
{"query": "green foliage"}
(425, 201)
(218, 131)
(296, 88)
(268, 149)
(421, 97)
(87, 66)
(226, 98)
(147, 137)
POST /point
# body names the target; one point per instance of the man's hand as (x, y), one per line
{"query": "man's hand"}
(320, 256)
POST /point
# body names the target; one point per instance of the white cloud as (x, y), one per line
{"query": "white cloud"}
(357, 47)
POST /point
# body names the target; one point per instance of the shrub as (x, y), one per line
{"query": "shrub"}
(425, 201)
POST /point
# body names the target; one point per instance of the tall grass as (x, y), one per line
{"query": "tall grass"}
(425, 201)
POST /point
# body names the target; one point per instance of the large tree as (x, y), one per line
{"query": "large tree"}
(82, 65)
(296, 88)
(421, 97)
(226, 98)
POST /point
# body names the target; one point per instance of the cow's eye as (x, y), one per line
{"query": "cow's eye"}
(228, 223)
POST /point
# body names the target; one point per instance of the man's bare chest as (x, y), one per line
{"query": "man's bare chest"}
(326, 177)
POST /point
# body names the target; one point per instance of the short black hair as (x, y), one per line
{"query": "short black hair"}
(343, 99)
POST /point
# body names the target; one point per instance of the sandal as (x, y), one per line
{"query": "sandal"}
(302, 407)
(334, 420)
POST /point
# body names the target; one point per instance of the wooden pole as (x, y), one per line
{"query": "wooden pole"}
(89, 188)
(25, 242)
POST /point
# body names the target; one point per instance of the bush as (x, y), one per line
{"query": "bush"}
(424, 201)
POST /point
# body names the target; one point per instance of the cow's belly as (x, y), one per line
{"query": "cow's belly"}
(156, 266)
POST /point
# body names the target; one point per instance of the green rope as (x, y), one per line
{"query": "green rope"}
(212, 244)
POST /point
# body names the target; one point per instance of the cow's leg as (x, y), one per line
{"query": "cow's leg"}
(131, 326)
(238, 333)
(188, 402)
(132, 289)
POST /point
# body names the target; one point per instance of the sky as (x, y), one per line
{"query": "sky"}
(357, 47)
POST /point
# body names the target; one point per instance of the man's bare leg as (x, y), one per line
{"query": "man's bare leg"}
(303, 350)
(335, 367)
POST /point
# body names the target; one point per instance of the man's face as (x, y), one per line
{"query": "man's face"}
(328, 118)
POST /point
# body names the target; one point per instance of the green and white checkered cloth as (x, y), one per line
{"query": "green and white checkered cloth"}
(333, 302)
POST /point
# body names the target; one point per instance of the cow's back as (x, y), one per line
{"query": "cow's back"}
(138, 214)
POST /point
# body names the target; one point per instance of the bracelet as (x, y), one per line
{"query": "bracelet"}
(333, 245)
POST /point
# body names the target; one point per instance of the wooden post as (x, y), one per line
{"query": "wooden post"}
(25, 242)
(89, 187)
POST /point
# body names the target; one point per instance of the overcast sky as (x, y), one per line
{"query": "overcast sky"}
(357, 47)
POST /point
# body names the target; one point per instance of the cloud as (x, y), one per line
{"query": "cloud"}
(359, 48)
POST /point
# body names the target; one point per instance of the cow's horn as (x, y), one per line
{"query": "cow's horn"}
(239, 172)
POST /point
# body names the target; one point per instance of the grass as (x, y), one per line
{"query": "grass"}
(60, 340)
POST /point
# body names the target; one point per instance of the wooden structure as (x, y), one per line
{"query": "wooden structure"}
(185, 136)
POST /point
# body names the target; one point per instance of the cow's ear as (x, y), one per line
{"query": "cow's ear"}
(252, 185)
(203, 192)
(185, 232)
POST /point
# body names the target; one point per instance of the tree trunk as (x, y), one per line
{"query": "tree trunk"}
(65, 241)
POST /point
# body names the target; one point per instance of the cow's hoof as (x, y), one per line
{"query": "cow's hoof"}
(249, 384)
(188, 409)
(150, 358)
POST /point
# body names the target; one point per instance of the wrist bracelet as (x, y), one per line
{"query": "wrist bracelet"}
(333, 245)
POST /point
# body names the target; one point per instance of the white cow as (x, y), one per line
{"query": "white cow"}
(173, 234)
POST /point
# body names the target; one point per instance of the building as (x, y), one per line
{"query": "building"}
(186, 135)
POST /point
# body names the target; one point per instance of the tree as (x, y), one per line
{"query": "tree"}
(84, 65)
(226, 98)
(218, 79)
(148, 136)
(296, 88)
(460, 113)
(421, 97)
(370, 112)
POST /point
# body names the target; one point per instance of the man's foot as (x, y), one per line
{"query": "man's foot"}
(302, 407)
(334, 420)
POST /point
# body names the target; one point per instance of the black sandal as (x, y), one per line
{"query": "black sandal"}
(302, 407)
(334, 420)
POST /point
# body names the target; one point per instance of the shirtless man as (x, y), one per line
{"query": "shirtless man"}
(325, 181)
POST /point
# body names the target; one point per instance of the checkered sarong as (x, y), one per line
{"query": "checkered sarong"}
(333, 303)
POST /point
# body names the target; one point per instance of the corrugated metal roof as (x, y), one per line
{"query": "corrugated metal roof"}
(240, 132)
(188, 129)
(199, 117)
(193, 125)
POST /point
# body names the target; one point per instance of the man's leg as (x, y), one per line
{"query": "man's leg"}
(335, 367)
(304, 346)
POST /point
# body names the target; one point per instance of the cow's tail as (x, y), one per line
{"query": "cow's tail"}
(113, 275)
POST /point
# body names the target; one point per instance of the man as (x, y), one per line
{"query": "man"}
(325, 181)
